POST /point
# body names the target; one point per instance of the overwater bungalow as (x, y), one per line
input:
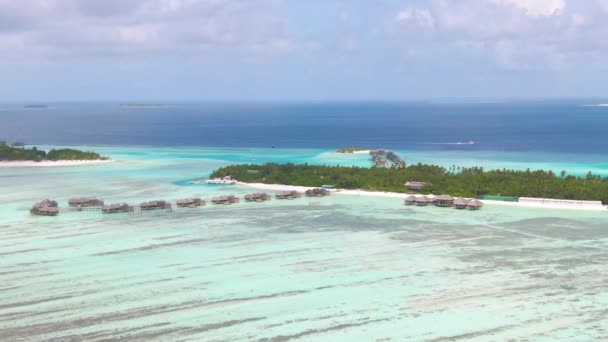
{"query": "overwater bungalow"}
(190, 202)
(258, 197)
(155, 205)
(415, 185)
(117, 208)
(377, 152)
(410, 200)
(225, 200)
(379, 161)
(423, 201)
(288, 194)
(317, 192)
(85, 202)
(444, 201)
(45, 208)
(461, 203)
(475, 205)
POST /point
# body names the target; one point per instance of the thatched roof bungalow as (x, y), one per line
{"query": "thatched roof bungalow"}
(85, 202)
(258, 197)
(225, 200)
(475, 205)
(461, 203)
(117, 208)
(155, 205)
(45, 208)
(423, 201)
(444, 201)
(288, 194)
(317, 192)
(190, 202)
(410, 200)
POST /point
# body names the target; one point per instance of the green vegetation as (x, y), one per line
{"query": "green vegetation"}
(18, 153)
(467, 182)
(351, 149)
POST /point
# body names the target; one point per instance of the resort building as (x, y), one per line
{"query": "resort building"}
(444, 201)
(85, 202)
(461, 203)
(117, 208)
(410, 200)
(415, 185)
(423, 201)
(190, 202)
(225, 200)
(155, 205)
(258, 197)
(45, 208)
(288, 194)
(475, 205)
(317, 192)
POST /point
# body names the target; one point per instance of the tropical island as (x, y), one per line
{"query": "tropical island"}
(456, 181)
(353, 150)
(18, 152)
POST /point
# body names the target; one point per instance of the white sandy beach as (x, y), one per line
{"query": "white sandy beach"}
(49, 163)
(528, 203)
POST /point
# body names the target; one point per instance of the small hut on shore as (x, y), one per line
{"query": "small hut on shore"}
(117, 208)
(45, 208)
(410, 200)
(475, 205)
(288, 194)
(155, 205)
(415, 185)
(225, 200)
(85, 202)
(190, 202)
(444, 201)
(317, 192)
(461, 203)
(258, 197)
(423, 201)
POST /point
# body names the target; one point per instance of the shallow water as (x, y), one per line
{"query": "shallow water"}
(350, 268)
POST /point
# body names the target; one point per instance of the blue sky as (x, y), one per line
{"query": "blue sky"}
(162, 50)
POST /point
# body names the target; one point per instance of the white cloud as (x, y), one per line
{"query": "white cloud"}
(536, 7)
(422, 18)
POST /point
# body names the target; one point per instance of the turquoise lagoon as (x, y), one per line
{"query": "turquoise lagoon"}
(349, 268)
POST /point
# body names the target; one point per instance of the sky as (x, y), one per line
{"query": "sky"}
(222, 50)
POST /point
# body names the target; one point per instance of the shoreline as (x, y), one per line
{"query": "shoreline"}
(51, 163)
(568, 206)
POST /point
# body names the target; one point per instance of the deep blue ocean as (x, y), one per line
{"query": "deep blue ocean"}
(541, 126)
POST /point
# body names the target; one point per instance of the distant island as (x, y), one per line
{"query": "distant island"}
(20, 153)
(142, 105)
(352, 149)
(36, 106)
(465, 182)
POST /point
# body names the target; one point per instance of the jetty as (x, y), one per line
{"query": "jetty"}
(226, 200)
(45, 208)
(85, 202)
(117, 208)
(317, 192)
(258, 197)
(190, 202)
(154, 205)
(288, 194)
